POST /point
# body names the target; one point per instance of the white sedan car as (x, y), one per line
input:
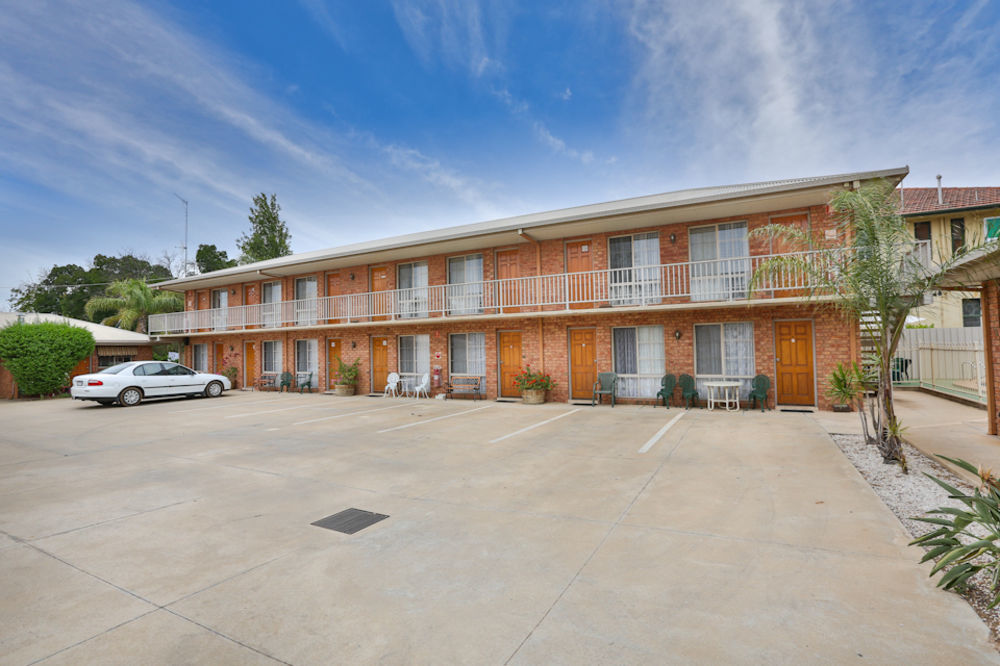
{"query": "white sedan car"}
(128, 384)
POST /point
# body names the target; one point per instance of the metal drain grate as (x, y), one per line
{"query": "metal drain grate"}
(799, 411)
(350, 521)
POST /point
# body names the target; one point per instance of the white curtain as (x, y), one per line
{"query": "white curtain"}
(414, 359)
(305, 301)
(635, 275)
(465, 284)
(413, 289)
(468, 356)
(726, 272)
(639, 360)
(272, 356)
(306, 357)
(724, 352)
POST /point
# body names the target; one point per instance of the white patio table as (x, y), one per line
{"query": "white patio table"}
(725, 393)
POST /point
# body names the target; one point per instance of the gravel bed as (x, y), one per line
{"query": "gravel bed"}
(913, 494)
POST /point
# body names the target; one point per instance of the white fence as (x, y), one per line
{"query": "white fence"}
(950, 360)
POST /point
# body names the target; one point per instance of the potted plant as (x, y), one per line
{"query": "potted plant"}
(347, 377)
(230, 372)
(533, 385)
(846, 387)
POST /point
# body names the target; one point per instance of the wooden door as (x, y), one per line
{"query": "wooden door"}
(580, 287)
(220, 353)
(510, 362)
(795, 382)
(332, 361)
(380, 363)
(380, 302)
(582, 363)
(507, 269)
(249, 363)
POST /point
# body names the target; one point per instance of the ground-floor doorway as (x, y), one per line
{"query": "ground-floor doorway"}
(582, 362)
(795, 379)
(380, 363)
(509, 358)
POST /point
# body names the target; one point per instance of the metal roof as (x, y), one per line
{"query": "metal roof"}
(506, 230)
(103, 335)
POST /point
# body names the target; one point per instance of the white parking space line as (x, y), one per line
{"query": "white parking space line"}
(438, 418)
(269, 411)
(242, 404)
(660, 433)
(532, 427)
(337, 416)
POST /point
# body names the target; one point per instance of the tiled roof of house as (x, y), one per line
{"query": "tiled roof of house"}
(918, 200)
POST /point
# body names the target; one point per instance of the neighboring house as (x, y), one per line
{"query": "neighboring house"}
(112, 345)
(982, 269)
(950, 217)
(642, 287)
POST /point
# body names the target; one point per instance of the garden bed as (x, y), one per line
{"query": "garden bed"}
(913, 495)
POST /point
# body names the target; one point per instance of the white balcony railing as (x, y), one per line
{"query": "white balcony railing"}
(715, 280)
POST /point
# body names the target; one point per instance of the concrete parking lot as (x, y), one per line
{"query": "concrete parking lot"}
(179, 532)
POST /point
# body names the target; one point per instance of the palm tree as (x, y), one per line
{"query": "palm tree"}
(131, 301)
(875, 273)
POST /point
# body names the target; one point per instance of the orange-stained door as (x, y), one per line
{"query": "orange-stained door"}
(582, 363)
(580, 287)
(220, 354)
(510, 291)
(250, 363)
(380, 363)
(381, 303)
(795, 381)
(332, 360)
(509, 344)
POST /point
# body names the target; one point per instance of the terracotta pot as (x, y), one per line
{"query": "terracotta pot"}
(533, 397)
(343, 389)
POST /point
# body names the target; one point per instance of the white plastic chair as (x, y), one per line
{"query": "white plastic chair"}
(391, 386)
(423, 387)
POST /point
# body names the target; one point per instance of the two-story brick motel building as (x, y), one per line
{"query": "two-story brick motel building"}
(642, 287)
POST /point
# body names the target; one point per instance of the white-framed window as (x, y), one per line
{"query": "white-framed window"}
(465, 284)
(305, 301)
(467, 356)
(414, 359)
(272, 356)
(638, 360)
(220, 301)
(720, 261)
(411, 281)
(270, 299)
(306, 360)
(724, 352)
(634, 263)
(200, 358)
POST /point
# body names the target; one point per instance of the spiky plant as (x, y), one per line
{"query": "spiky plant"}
(131, 302)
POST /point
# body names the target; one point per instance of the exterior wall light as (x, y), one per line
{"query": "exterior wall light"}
(678, 334)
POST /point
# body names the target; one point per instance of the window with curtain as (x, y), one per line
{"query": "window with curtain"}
(467, 356)
(414, 359)
(220, 301)
(634, 263)
(638, 360)
(412, 289)
(306, 359)
(270, 298)
(724, 352)
(272, 356)
(305, 301)
(465, 284)
(200, 360)
(720, 264)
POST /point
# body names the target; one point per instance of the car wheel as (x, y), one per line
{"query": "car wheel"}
(213, 390)
(130, 397)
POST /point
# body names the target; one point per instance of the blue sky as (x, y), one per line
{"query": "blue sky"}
(370, 119)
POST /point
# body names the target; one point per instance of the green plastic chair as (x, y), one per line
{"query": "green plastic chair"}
(286, 382)
(606, 384)
(666, 393)
(689, 394)
(307, 383)
(758, 392)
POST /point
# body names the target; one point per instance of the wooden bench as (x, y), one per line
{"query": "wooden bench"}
(266, 381)
(463, 385)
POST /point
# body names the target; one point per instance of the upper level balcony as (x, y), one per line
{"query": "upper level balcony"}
(636, 287)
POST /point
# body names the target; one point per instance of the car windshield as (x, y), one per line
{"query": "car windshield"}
(114, 369)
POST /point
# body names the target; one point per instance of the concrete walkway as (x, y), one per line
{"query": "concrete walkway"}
(179, 532)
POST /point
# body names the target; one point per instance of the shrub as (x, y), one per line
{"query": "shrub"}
(41, 355)
(230, 372)
(964, 552)
(527, 380)
(348, 373)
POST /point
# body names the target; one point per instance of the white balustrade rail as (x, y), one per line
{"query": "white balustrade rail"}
(713, 280)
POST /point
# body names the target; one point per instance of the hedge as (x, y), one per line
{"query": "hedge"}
(41, 355)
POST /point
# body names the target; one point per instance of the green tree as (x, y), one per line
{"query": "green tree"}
(209, 258)
(41, 355)
(268, 237)
(875, 273)
(131, 302)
